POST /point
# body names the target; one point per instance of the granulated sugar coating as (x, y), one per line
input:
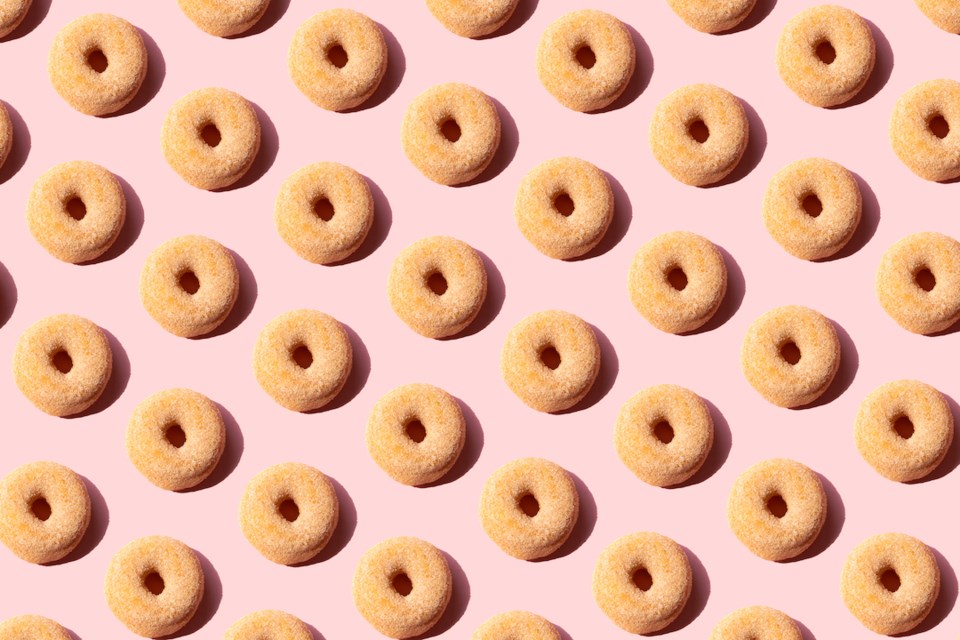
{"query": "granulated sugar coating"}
(943, 13)
(224, 17)
(756, 623)
(6, 133)
(472, 19)
(32, 627)
(516, 625)
(12, 13)
(712, 16)
(920, 129)
(268, 625)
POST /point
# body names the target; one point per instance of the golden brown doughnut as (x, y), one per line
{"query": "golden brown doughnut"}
(6, 133)
(943, 13)
(921, 129)
(756, 623)
(224, 17)
(31, 627)
(516, 625)
(472, 19)
(268, 625)
(712, 16)
(12, 13)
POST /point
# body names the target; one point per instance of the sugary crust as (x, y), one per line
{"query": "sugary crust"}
(756, 623)
(6, 133)
(12, 13)
(472, 19)
(32, 627)
(224, 17)
(943, 13)
(268, 625)
(712, 16)
(915, 143)
(516, 625)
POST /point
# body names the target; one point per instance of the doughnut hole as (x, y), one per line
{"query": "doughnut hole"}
(41, 509)
(402, 584)
(97, 61)
(563, 203)
(677, 278)
(790, 352)
(62, 361)
(153, 582)
(903, 427)
(323, 209)
(825, 52)
(777, 506)
(210, 134)
(938, 126)
(288, 509)
(585, 56)
(337, 56)
(642, 579)
(189, 282)
(663, 431)
(890, 580)
(450, 130)
(811, 205)
(698, 130)
(175, 436)
(415, 431)
(925, 279)
(302, 356)
(550, 357)
(75, 208)
(529, 505)
(437, 283)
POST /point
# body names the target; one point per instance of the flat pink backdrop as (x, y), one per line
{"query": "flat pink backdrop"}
(536, 127)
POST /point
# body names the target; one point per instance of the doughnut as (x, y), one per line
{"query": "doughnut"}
(154, 586)
(756, 623)
(790, 355)
(189, 285)
(302, 359)
(564, 207)
(918, 282)
(402, 586)
(289, 512)
(44, 511)
(642, 582)
(437, 286)
(451, 132)
(699, 133)
(890, 583)
(76, 210)
(585, 59)
(812, 208)
(211, 137)
(97, 63)
(62, 364)
(664, 434)
(777, 508)
(921, 126)
(175, 438)
(710, 16)
(12, 13)
(471, 19)
(677, 281)
(943, 13)
(529, 507)
(268, 625)
(337, 58)
(6, 133)
(224, 17)
(904, 429)
(516, 625)
(826, 54)
(324, 212)
(31, 627)
(416, 433)
(550, 360)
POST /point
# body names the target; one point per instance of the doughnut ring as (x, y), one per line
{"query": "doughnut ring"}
(921, 129)
(6, 133)
(44, 511)
(416, 433)
(451, 132)
(712, 17)
(32, 627)
(664, 434)
(890, 583)
(585, 59)
(62, 364)
(12, 13)
(469, 19)
(677, 281)
(529, 507)
(812, 208)
(268, 625)
(211, 137)
(437, 286)
(826, 54)
(302, 359)
(324, 212)
(97, 63)
(943, 13)
(564, 207)
(337, 58)
(763, 623)
(642, 582)
(402, 586)
(154, 585)
(790, 355)
(516, 625)
(175, 438)
(777, 508)
(918, 282)
(904, 429)
(289, 512)
(189, 285)
(224, 17)
(76, 211)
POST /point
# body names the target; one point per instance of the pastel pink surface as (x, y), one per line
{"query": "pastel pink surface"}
(388, 354)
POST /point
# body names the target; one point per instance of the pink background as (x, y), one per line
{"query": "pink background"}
(536, 127)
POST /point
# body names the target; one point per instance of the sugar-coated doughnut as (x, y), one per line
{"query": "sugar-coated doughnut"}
(437, 286)
(529, 507)
(302, 359)
(585, 59)
(777, 508)
(415, 433)
(890, 583)
(699, 133)
(451, 132)
(289, 512)
(812, 208)
(76, 211)
(756, 623)
(918, 282)
(642, 582)
(904, 429)
(324, 212)
(224, 17)
(337, 58)
(32, 627)
(710, 16)
(268, 624)
(44, 511)
(922, 129)
(189, 285)
(472, 19)
(62, 364)
(154, 585)
(402, 586)
(12, 13)
(664, 434)
(175, 438)
(6, 133)
(211, 137)
(943, 13)
(516, 625)
(550, 360)
(97, 63)
(564, 207)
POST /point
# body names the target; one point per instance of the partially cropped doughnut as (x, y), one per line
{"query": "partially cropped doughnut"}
(471, 19)
(585, 59)
(44, 511)
(451, 132)
(224, 17)
(97, 63)
(516, 625)
(402, 586)
(756, 623)
(943, 13)
(922, 129)
(710, 16)
(12, 13)
(6, 133)
(268, 625)
(62, 364)
(699, 133)
(32, 627)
